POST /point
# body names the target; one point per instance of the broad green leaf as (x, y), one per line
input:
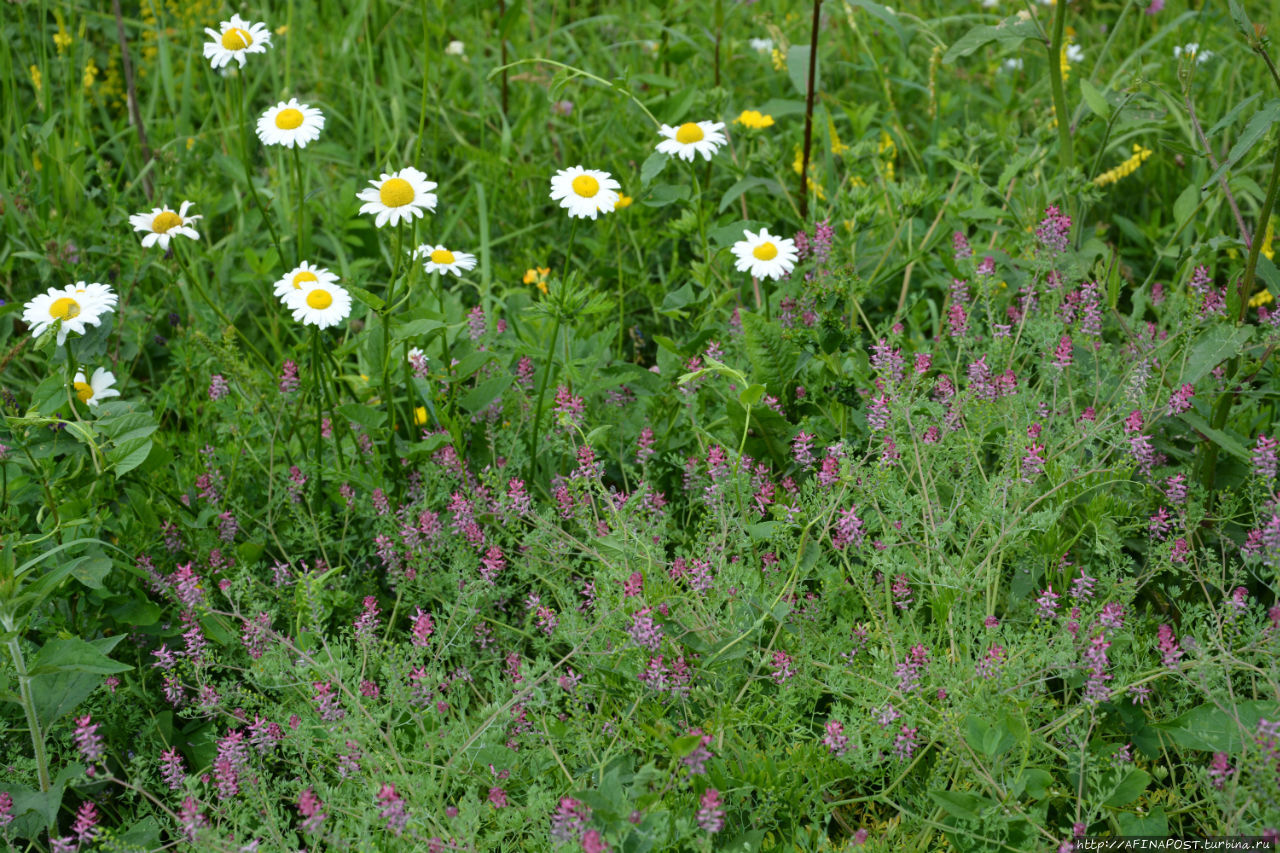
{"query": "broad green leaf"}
(1128, 788)
(1094, 99)
(652, 167)
(486, 392)
(1253, 132)
(1216, 346)
(961, 804)
(1215, 729)
(374, 302)
(1011, 30)
(751, 395)
(745, 185)
(129, 454)
(665, 194)
(367, 416)
(798, 69)
(1156, 823)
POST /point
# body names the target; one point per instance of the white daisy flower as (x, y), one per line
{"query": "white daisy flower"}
(691, 138)
(584, 192)
(1192, 51)
(415, 355)
(402, 195)
(764, 255)
(455, 48)
(319, 304)
(440, 259)
(301, 277)
(98, 298)
(761, 45)
(290, 124)
(234, 39)
(162, 223)
(75, 308)
(1075, 53)
(94, 391)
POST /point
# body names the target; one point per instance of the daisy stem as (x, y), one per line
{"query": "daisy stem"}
(248, 173)
(226, 321)
(297, 178)
(617, 242)
(444, 333)
(702, 223)
(386, 337)
(568, 255)
(317, 394)
(542, 392)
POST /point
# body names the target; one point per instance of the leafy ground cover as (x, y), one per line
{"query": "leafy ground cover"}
(634, 426)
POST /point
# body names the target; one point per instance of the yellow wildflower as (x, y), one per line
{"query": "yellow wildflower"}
(624, 200)
(1262, 297)
(754, 119)
(779, 60)
(538, 277)
(420, 415)
(1125, 169)
(814, 186)
(888, 152)
(191, 141)
(837, 147)
(62, 39)
(282, 29)
(1266, 241)
(35, 78)
(90, 73)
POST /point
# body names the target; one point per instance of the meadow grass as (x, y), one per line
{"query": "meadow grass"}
(901, 476)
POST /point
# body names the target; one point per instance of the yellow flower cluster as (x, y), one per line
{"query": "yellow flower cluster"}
(1267, 237)
(1125, 169)
(888, 152)
(814, 186)
(754, 119)
(779, 60)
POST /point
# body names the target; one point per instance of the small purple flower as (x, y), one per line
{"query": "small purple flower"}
(711, 812)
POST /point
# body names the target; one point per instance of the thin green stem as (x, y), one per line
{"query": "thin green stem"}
(226, 321)
(317, 395)
(1264, 216)
(534, 431)
(386, 340)
(239, 98)
(29, 706)
(299, 198)
(1065, 150)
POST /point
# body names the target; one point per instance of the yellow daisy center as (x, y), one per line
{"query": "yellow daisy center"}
(586, 186)
(64, 308)
(689, 133)
(84, 391)
(442, 256)
(289, 119)
(236, 39)
(396, 192)
(303, 276)
(162, 223)
(765, 251)
(319, 299)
